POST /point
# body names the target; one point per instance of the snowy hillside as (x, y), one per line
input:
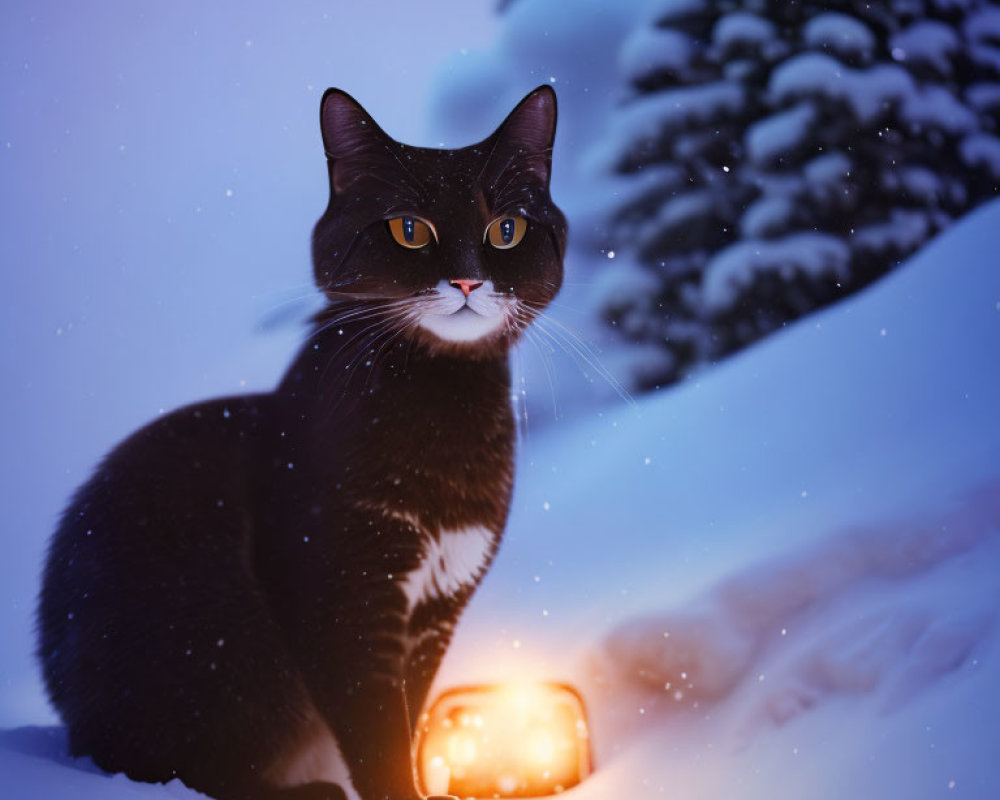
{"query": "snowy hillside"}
(778, 582)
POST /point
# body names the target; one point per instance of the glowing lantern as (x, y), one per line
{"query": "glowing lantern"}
(522, 740)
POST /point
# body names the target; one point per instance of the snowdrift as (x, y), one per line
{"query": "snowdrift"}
(779, 580)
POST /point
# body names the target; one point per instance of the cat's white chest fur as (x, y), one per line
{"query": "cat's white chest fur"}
(454, 560)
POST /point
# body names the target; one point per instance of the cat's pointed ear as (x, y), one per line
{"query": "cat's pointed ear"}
(528, 133)
(352, 140)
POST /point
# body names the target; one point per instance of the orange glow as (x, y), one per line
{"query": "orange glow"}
(519, 740)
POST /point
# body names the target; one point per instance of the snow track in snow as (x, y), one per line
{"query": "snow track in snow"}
(884, 611)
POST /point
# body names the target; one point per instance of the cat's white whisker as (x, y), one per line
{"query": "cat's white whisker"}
(520, 323)
(545, 354)
(303, 292)
(380, 309)
(370, 310)
(366, 353)
(578, 348)
(379, 322)
(409, 321)
(368, 336)
(519, 398)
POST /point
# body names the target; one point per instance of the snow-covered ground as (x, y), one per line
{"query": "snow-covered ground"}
(780, 580)
(777, 582)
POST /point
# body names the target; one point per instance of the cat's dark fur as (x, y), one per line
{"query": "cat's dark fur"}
(252, 594)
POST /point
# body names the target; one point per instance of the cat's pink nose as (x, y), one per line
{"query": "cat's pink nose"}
(466, 286)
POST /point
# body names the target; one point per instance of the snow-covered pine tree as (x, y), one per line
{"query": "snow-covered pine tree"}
(791, 153)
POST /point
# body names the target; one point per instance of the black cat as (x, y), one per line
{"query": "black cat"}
(252, 594)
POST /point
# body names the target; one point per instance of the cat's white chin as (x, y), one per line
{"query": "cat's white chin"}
(464, 325)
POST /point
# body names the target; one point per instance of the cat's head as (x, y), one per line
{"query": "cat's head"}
(459, 249)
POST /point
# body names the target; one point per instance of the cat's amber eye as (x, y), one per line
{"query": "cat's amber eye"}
(411, 232)
(505, 232)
